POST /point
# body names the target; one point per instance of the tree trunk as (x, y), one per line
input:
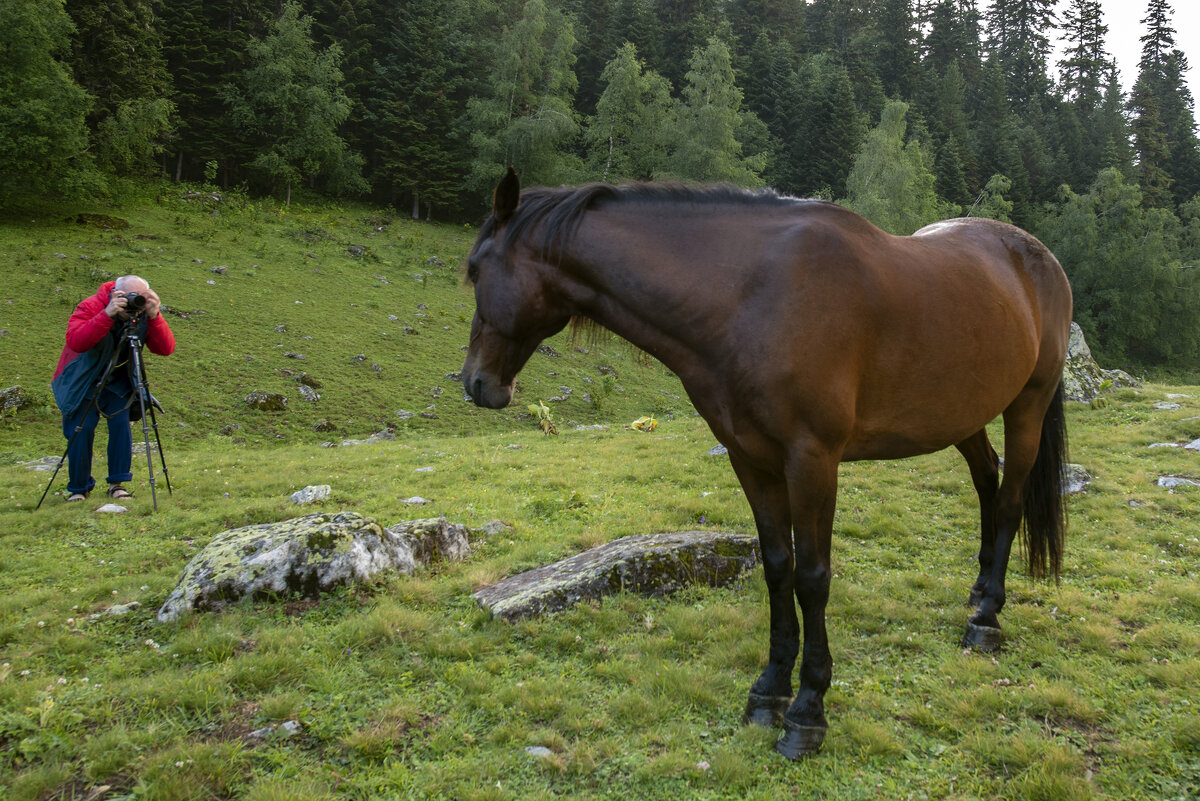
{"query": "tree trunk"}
(289, 194)
(179, 167)
(416, 207)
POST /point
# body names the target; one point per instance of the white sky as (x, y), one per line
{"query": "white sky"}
(1125, 29)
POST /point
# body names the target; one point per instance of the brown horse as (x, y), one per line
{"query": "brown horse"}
(805, 337)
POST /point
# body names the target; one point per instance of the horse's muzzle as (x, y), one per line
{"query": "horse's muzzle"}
(487, 394)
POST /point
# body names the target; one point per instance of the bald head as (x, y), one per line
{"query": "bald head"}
(131, 283)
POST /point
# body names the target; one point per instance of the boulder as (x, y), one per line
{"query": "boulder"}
(1083, 379)
(266, 401)
(433, 539)
(12, 399)
(650, 564)
(306, 555)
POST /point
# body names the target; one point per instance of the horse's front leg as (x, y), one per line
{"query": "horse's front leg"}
(813, 495)
(771, 693)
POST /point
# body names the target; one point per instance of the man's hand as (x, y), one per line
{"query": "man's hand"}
(152, 303)
(116, 306)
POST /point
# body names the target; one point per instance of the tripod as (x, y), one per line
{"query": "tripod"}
(146, 405)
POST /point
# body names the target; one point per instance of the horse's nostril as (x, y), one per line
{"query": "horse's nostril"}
(476, 389)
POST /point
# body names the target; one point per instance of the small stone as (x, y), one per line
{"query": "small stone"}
(311, 494)
(1166, 406)
(539, 751)
(308, 393)
(297, 356)
(1194, 445)
(122, 609)
(280, 329)
(403, 415)
(266, 401)
(718, 450)
(220, 269)
(424, 470)
(416, 500)
(1171, 482)
(112, 508)
(491, 528)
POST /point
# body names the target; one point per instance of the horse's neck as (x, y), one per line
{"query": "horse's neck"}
(645, 290)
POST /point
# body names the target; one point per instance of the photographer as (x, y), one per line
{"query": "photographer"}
(94, 334)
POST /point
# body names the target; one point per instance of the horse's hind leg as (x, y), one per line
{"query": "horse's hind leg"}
(985, 475)
(1022, 435)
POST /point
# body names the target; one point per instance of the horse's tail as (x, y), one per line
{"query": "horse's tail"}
(1044, 512)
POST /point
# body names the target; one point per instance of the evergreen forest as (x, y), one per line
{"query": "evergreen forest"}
(907, 111)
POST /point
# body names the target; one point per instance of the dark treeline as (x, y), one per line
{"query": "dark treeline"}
(906, 110)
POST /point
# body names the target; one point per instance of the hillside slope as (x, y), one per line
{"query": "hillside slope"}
(370, 306)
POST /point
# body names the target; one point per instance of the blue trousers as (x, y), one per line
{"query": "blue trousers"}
(120, 440)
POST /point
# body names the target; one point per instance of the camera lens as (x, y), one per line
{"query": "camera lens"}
(135, 302)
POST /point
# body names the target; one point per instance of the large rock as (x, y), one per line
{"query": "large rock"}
(1083, 379)
(651, 564)
(306, 555)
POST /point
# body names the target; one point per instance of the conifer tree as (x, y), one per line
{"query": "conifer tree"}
(206, 46)
(1019, 40)
(1135, 301)
(891, 183)
(293, 104)
(1085, 60)
(896, 50)
(707, 146)
(117, 57)
(1164, 117)
(43, 136)
(415, 104)
(629, 136)
(525, 115)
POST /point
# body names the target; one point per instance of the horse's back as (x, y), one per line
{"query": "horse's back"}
(936, 333)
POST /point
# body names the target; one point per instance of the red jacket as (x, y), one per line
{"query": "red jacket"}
(88, 327)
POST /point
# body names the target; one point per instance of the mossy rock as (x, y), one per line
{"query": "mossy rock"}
(650, 564)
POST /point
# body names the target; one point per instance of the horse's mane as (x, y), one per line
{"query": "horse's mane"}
(558, 212)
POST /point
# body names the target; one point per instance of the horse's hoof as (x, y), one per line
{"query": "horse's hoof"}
(799, 741)
(985, 638)
(766, 710)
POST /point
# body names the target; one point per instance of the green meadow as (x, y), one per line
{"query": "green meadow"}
(404, 688)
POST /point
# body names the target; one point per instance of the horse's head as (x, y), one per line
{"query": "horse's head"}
(515, 308)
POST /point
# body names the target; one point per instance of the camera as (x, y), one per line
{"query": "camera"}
(134, 303)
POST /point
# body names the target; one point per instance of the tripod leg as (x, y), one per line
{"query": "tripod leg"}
(85, 412)
(139, 391)
(158, 441)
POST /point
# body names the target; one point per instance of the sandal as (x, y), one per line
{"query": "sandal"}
(76, 496)
(117, 492)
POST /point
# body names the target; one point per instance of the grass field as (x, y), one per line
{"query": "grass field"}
(404, 689)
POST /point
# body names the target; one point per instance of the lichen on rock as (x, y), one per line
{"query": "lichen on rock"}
(650, 564)
(1083, 378)
(306, 555)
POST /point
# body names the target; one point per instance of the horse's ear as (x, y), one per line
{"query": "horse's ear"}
(506, 196)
